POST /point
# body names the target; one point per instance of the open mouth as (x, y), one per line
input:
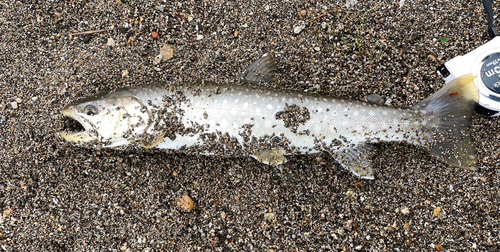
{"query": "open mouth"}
(76, 129)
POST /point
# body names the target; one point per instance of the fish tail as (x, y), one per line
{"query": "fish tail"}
(447, 115)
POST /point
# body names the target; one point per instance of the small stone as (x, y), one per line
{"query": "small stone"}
(406, 225)
(14, 105)
(111, 42)
(166, 52)
(350, 3)
(351, 194)
(124, 73)
(269, 216)
(34, 98)
(317, 48)
(86, 38)
(7, 212)
(158, 59)
(438, 247)
(236, 33)
(303, 12)
(199, 37)
(19, 100)
(437, 211)
(155, 35)
(405, 211)
(174, 173)
(161, 7)
(297, 29)
(185, 202)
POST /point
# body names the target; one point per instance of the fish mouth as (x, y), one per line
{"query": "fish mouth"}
(77, 129)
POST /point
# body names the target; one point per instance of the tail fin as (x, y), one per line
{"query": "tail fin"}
(447, 116)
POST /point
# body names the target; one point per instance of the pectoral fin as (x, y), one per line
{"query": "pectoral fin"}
(151, 141)
(357, 159)
(272, 156)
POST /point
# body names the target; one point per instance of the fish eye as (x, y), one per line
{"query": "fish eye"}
(90, 110)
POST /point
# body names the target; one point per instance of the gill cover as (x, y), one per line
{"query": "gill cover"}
(110, 117)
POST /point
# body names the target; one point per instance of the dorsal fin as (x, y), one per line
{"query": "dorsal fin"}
(261, 70)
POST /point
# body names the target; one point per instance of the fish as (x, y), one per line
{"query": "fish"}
(248, 119)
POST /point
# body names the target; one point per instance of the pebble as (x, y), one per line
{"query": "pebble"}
(19, 100)
(166, 52)
(298, 28)
(437, 211)
(86, 38)
(199, 37)
(124, 73)
(13, 105)
(375, 99)
(111, 42)
(269, 216)
(185, 202)
(405, 211)
(157, 60)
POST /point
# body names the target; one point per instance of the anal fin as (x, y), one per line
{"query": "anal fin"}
(271, 156)
(357, 159)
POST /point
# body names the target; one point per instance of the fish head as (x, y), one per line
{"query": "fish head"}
(111, 119)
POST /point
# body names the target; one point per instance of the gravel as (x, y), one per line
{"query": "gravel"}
(55, 196)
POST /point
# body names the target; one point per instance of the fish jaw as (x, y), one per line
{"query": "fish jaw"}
(82, 136)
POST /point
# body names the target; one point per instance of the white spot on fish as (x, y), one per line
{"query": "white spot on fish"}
(234, 111)
(385, 112)
(245, 105)
(268, 124)
(269, 106)
(223, 123)
(317, 128)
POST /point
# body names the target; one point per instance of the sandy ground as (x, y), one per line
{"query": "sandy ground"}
(55, 196)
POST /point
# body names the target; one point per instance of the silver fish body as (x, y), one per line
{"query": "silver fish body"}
(245, 120)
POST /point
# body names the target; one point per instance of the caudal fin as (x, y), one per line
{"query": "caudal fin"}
(447, 116)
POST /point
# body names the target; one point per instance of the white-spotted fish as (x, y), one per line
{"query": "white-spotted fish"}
(268, 124)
